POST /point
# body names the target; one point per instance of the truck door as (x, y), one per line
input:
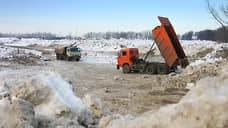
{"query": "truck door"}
(122, 58)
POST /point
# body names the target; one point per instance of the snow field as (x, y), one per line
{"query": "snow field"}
(97, 51)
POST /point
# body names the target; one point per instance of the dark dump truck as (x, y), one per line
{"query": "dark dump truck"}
(71, 52)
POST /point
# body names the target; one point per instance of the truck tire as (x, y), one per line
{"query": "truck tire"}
(62, 57)
(77, 59)
(162, 69)
(126, 68)
(65, 57)
(151, 69)
(69, 58)
(136, 71)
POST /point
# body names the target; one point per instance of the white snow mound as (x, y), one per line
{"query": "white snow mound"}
(63, 92)
(8, 52)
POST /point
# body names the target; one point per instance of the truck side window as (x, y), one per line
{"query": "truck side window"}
(131, 52)
(123, 53)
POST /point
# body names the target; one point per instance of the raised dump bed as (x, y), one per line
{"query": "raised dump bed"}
(169, 45)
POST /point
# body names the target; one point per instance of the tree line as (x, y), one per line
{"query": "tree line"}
(214, 35)
(46, 36)
(219, 34)
(147, 35)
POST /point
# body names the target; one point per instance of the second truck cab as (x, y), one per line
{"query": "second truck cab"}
(129, 60)
(127, 56)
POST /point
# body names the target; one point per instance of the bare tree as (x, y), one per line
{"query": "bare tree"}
(221, 14)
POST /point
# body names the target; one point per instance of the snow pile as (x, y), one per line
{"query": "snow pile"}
(96, 107)
(205, 105)
(20, 56)
(15, 112)
(113, 44)
(191, 74)
(8, 40)
(63, 91)
(26, 42)
(8, 52)
(213, 56)
(192, 47)
(99, 57)
(53, 100)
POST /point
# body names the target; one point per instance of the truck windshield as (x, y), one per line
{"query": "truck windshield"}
(74, 49)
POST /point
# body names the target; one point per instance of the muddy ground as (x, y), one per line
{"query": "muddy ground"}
(122, 93)
(133, 93)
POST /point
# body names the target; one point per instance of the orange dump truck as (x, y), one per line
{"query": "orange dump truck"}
(169, 46)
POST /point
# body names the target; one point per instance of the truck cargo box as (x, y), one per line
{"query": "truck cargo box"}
(169, 45)
(60, 49)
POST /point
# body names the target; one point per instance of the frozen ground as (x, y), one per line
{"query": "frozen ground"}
(126, 94)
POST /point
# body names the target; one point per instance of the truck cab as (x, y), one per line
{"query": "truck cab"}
(128, 59)
(127, 56)
(73, 52)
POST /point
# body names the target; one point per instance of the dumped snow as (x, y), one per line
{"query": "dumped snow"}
(8, 52)
(8, 40)
(63, 90)
(26, 42)
(213, 56)
(52, 98)
(99, 57)
(20, 56)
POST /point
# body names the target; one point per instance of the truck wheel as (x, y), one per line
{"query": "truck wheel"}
(136, 71)
(126, 68)
(61, 57)
(162, 70)
(69, 58)
(150, 69)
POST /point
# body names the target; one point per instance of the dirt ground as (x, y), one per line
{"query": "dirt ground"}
(123, 93)
(132, 93)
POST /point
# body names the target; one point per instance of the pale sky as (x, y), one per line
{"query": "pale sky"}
(81, 16)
